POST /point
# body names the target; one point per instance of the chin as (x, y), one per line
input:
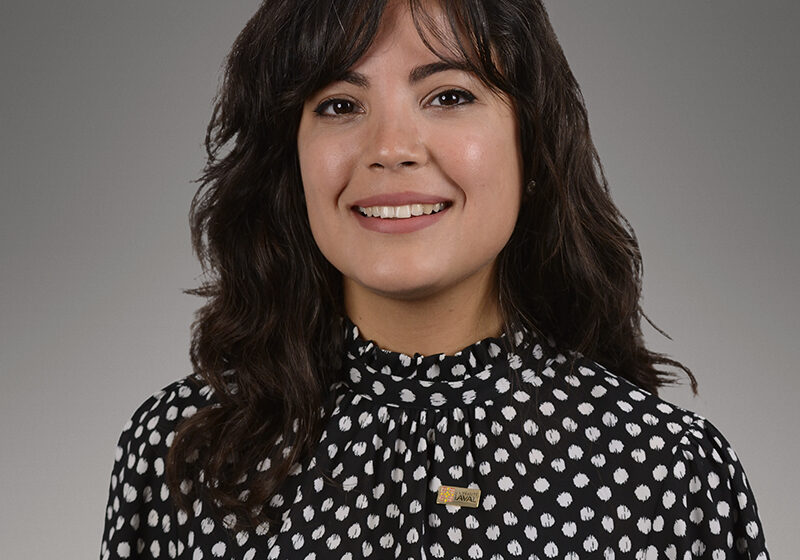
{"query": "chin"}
(402, 287)
(403, 279)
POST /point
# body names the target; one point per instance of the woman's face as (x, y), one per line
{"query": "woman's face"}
(430, 146)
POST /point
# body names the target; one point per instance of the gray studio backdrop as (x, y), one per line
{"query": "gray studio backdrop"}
(694, 111)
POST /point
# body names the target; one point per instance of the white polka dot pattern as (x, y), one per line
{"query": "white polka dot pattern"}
(572, 462)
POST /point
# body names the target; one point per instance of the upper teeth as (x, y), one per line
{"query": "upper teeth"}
(400, 211)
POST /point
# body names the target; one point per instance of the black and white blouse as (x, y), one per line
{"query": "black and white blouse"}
(485, 454)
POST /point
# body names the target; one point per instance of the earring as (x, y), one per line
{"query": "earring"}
(530, 186)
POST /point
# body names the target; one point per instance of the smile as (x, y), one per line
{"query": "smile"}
(400, 212)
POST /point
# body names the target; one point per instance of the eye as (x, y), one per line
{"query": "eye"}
(451, 97)
(335, 107)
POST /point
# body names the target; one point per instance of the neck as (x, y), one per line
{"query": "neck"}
(439, 323)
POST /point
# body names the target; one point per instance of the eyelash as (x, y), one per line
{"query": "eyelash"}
(322, 107)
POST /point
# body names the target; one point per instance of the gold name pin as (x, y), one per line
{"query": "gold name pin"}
(457, 496)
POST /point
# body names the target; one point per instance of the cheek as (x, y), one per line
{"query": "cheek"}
(486, 165)
(322, 172)
(311, 175)
(325, 169)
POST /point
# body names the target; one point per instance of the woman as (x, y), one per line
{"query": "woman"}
(422, 336)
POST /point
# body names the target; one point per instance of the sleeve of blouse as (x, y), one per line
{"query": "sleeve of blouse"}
(139, 517)
(708, 507)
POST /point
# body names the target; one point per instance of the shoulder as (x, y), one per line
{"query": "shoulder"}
(631, 428)
(147, 434)
(672, 457)
(167, 406)
(139, 507)
(615, 402)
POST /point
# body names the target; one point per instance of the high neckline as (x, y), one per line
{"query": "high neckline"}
(469, 376)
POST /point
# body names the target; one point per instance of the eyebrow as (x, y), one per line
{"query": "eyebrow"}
(416, 75)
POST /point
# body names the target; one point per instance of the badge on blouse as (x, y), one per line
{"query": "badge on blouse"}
(457, 496)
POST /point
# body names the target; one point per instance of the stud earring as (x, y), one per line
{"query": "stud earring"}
(530, 186)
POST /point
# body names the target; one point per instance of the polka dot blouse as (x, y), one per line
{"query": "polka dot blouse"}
(486, 454)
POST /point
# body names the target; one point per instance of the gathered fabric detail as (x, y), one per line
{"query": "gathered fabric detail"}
(438, 380)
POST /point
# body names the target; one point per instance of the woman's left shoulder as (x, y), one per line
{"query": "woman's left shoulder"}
(707, 506)
(615, 402)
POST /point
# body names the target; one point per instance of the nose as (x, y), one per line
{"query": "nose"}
(395, 141)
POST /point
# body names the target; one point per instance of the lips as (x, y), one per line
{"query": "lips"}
(404, 212)
(399, 225)
(400, 199)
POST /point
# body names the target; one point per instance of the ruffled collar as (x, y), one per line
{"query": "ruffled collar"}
(467, 377)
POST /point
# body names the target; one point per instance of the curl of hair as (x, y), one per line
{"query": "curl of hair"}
(269, 339)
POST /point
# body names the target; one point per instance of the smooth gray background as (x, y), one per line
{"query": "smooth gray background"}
(104, 106)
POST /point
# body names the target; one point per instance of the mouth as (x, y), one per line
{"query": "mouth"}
(401, 212)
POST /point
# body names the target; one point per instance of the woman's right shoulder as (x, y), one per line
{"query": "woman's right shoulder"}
(138, 486)
(150, 429)
(156, 418)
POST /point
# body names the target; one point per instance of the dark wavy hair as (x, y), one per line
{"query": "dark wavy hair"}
(273, 316)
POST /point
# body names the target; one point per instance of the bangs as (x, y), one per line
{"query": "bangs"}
(331, 36)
